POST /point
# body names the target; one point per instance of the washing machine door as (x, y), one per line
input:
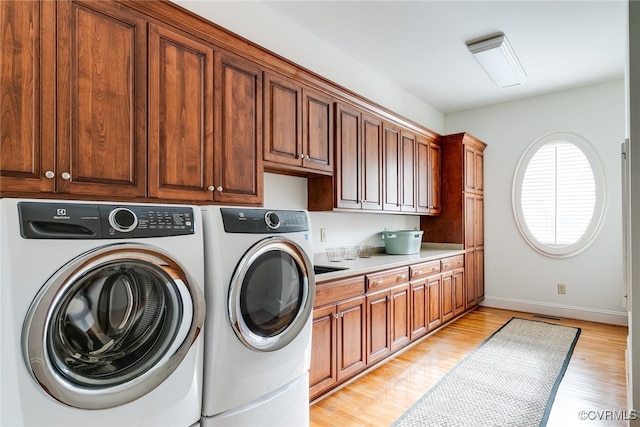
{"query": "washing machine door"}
(111, 325)
(271, 294)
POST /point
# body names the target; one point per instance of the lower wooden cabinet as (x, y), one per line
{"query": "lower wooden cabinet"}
(338, 336)
(360, 321)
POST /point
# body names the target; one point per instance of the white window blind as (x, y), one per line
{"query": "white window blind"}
(558, 194)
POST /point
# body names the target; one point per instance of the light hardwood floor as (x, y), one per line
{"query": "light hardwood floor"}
(594, 381)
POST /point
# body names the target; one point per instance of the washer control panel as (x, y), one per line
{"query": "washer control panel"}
(263, 221)
(63, 220)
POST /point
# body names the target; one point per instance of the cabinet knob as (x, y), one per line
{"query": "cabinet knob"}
(211, 188)
(377, 282)
(66, 175)
(219, 188)
(419, 272)
(49, 174)
(306, 157)
(336, 315)
(301, 156)
(402, 276)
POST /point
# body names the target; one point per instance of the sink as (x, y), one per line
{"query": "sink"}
(321, 269)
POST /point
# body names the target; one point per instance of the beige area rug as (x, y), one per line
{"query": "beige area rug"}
(509, 380)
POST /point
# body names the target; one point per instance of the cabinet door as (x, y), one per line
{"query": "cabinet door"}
(434, 168)
(27, 85)
(348, 126)
(434, 286)
(408, 172)
(479, 170)
(478, 220)
(419, 309)
(458, 291)
(317, 130)
(470, 220)
(322, 374)
(446, 307)
(392, 168)
(427, 176)
(180, 115)
(351, 348)
(470, 278)
(238, 173)
(399, 316)
(282, 120)
(378, 322)
(101, 106)
(371, 163)
(469, 168)
(479, 278)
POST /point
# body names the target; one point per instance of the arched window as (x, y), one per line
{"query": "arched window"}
(558, 194)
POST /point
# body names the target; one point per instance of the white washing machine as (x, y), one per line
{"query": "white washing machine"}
(102, 314)
(259, 287)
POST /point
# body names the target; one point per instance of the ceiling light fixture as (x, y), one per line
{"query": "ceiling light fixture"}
(499, 61)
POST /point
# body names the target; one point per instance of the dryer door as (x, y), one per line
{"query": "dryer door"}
(111, 325)
(271, 294)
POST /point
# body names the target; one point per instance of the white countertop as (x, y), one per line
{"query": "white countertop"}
(380, 260)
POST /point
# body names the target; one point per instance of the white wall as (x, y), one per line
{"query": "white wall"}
(256, 21)
(343, 229)
(516, 276)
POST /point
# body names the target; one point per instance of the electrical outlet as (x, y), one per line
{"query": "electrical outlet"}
(323, 235)
(562, 288)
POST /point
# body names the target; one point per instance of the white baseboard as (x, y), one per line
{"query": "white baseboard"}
(558, 310)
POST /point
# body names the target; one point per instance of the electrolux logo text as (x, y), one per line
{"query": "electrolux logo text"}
(61, 213)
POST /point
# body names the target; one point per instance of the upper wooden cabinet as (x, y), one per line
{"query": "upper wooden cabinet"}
(238, 177)
(84, 77)
(298, 127)
(82, 123)
(358, 160)
(101, 99)
(473, 168)
(27, 85)
(428, 180)
(181, 115)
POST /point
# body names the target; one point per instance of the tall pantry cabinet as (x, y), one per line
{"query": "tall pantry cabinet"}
(462, 216)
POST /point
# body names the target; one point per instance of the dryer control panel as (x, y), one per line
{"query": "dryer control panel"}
(263, 221)
(63, 220)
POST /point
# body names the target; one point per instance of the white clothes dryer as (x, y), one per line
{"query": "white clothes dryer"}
(102, 314)
(259, 288)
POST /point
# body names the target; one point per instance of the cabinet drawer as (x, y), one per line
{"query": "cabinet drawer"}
(453, 262)
(424, 269)
(338, 290)
(384, 279)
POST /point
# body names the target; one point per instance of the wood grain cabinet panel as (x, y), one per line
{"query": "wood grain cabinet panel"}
(101, 105)
(428, 176)
(399, 301)
(392, 167)
(27, 88)
(238, 177)
(338, 341)
(358, 159)
(434, 314)
(408, 172)
(322, 374)
(180, 115)
(419, 308)
(298, 127)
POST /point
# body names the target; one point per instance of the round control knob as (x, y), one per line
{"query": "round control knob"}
(272, 219)
(123, 220)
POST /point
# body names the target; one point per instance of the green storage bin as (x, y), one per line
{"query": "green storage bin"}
(402, 242)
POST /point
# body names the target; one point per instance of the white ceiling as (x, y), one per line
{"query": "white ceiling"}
(421, 45)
